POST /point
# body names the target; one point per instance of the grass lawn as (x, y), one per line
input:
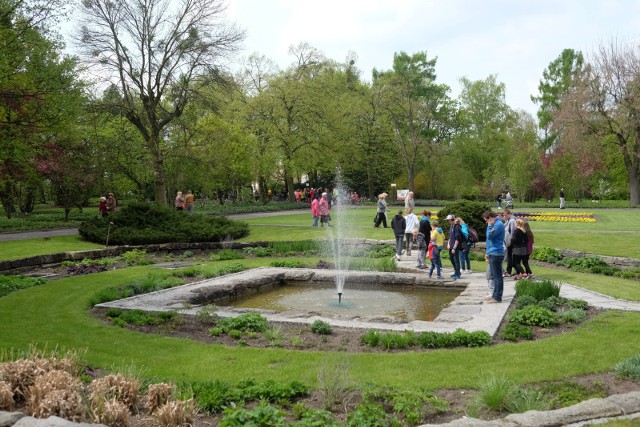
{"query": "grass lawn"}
(17, 249)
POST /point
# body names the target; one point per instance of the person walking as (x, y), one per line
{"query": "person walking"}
(399, 225)
(179, 201)
(525, 261)
(412, 222)
(112, 204)
(421, 243)
(425, 227)
(381, 213)
(409, 202)
(494, 254)
(562, 198)
(510, 228)
(189, 201)
(519, 242)
(454, 245)
(102, 208)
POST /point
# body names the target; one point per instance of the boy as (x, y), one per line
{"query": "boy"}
(437, 242)
(422, 247)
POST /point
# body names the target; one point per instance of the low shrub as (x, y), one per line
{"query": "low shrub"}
(262, 416)
(259, 251)
(226, 255)
(148, 223)
(629, 368)
(525, 300)
(546, 254)
(153, 282)
(572, 315)
(458, 338)
(578, 303)
(515, 332)
(176, 413)
(247, 322)
(539, 289)
(9, 284)
(534, 315)
(470, 211)
(321, 328)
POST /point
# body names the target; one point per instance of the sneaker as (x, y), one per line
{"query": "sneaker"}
(440, 277)
(531, 276)
(517, 277)
(493, 301)
(488, 297)
(455, 277)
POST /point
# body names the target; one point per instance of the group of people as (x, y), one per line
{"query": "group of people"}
(308, 195)
(108, 205)
(184, 202)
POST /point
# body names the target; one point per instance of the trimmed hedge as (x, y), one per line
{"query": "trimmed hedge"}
(148, 223)
(470, 212)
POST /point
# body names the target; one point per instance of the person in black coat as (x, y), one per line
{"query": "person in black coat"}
(399, 224)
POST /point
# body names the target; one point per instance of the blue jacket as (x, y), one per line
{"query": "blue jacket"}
(495, 238)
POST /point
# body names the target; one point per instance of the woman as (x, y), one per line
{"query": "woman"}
(315, 212)
(179, 202)
(381, 215)
(323, 210)
(519, 242)
(102, 209)
(112, 204)
(465, 263)
(525, 261)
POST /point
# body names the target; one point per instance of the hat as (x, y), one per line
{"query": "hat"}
(450, 217)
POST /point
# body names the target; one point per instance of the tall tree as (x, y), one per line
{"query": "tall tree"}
(557, 80)
(155, 51)
(606, 104)
(416, 104)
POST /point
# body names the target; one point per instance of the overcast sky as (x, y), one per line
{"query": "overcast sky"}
(514, 39)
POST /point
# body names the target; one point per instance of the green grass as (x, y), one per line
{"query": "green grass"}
(17, 249)
(55, 314)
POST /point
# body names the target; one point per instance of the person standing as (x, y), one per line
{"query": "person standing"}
(525, 262)
(399, 225)
(435, 247)
(499, 200)
(412, 222)
(409, 202)
(179, 201)
(112, 204)
(494, 254)
(315, 211)
(381, 214)
(324, 210)
(189, 201)
(519, 242)
(562, 198)
(102, 208)
(454, 245)
(425, 227)
(465, 263)
(510, 228)
(421, 242)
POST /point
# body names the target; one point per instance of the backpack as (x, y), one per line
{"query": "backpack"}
(473, 235)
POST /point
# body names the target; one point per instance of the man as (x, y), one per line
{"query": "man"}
(189, 201)
(494, 254)
(454, 245)
(412, 222)
(562, 198)
(510, 228)
(399, 225)
(409, 202)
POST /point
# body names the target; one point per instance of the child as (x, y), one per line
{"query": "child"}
(437, 241)
(422, 247)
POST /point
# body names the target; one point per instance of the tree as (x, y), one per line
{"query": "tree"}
(605, 105)
(416, 105)
(155, 51)
(557, 80)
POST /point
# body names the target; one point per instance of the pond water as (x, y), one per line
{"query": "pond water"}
(408, 303)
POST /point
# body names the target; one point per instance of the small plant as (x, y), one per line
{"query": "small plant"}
(371, 338)
(262, 416)
(534, 315)
(226, 255)
(116, 386)
(333, 382)
(9, 284)
(176, 413)
(158, 395)
(525, 300)
(6, 396)
(546, 254)
(135, 257)
(321, 328)
(573, 315)
(246, 322)
(288, 264)
(110, 413)
(495, 393)
(629, 368)
(569, 393)
(539, 289)
(56, 393)
(259, 251)
(515, 332)
(578, 303)
(235, 334)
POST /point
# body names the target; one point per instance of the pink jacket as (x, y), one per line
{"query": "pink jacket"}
(314, 208)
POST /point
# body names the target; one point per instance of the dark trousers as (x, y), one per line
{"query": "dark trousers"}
(382, 218)
(455, 261)
(509, 259)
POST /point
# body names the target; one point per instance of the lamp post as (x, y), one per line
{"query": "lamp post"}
(393, 190)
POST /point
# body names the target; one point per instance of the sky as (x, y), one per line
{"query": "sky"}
(515, 40)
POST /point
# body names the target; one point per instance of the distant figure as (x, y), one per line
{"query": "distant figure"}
(436, 244)
(112, 204)
(399, 225)
(324, 210)
(102, 209)
(562, 198)
(409, 202)
(189, 200)
(494, 254)
(499, 200)
(508, 201)
(179, 202)
(315, 212)
(381, 214)
(412, 222)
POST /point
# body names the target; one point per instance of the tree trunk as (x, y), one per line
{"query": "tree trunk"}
(160, 181)
(634, 187)
(66, 214)
(7, 199)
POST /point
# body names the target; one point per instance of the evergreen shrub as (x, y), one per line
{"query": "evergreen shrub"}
(470, 212)
(149, 223)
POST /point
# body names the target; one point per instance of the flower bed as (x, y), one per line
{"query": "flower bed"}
(556, 216)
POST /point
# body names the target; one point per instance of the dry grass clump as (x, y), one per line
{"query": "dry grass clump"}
(56, 393)
(20, 375)
(111, 413)
(177, 413)
(6, 396)
(116, 386)
(158, 395)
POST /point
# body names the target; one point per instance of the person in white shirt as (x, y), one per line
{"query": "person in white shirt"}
(412, 222)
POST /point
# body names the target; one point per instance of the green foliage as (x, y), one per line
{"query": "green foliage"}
(247, 322)
(135, 257)
(259, 251)
(515, 332)
(225, 255)
(261, 416)
(146, 223)
(213, 396)
(546, 254)
(140, 317)
(458, 338)
(525, 300)
(470, 212)
(578, 303)
(308, 247)
(569, 393)
(13, 283)
(501, 395)
(288, 264)
(539, 289)
(321, 328)
(369, 415)
(316, 418)
(582, 263)
(152, 283)
(381, 252)
(534, 315)
(411, 405)
(629, 368)
(573, 315)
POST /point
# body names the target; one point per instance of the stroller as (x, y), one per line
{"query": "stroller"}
(508, 201)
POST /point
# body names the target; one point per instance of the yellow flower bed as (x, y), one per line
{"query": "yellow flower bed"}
(586, 217)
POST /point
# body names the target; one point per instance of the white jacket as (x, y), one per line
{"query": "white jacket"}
(412, 222)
